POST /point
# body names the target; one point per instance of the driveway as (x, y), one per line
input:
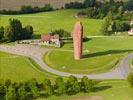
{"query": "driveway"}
(36, 53)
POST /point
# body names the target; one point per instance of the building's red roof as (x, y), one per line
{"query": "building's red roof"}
(49, 37)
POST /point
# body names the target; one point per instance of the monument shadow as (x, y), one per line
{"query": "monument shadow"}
(105, 53)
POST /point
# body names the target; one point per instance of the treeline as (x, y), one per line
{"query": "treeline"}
(111, 26)
(14, 31)
(28, 9)
(97, 9)
(128, 5)
(32, 89)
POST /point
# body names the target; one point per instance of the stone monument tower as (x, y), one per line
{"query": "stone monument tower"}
(77, 35)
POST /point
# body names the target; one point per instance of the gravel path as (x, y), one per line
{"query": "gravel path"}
(36, 53)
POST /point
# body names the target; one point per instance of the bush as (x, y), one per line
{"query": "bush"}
(1, 32)
(75, 5)
(11, 93)
(130, 79)
(60, 86)
(119, 26)
(72, 85)
(86, 84)
(61, 33)
(28, 9)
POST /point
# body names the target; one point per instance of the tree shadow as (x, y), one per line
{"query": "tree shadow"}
(105, 53)
(100, 88)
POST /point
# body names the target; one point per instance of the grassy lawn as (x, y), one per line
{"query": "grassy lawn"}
(19, 68)
(99, 56)
(47, 21)
(108, 90)
(63, 61)
(106, 44)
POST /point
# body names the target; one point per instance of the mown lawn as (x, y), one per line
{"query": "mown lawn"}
(19, 68)
(100, 55)
(64, 61)
(44, 22)
(108, 90)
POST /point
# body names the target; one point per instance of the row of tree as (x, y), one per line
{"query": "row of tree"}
(14, 31)
(28, 9)
(128, 5)
(110, 25)
(33, 89)
(98, 9)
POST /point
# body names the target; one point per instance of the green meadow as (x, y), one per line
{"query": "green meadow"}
(19, 68)
(45, 22)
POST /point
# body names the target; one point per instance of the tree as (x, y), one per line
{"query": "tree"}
(111, 2)
(91, 12)
(86, 84)
(119, 26)
(72, 85)
(1, 32)
(27, 32)
(109, 18)
(60, 86)
(61, 33)
(47, 7)
(27, 9)
(121, 10)
(22, 93)
(13, 32)
(11, 93)
(8, 34)
(105, 26)
(48, 88)
(89, 3)
(129, 5)
(130, 79)
(32, 84)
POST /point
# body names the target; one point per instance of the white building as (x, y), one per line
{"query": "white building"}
(130, 32)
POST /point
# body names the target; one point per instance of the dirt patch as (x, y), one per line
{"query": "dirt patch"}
(89, 98)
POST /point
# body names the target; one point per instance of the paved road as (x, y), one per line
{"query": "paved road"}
(36, 53)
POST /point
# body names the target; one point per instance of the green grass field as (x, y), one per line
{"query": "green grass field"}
(101, 55)
(63, 61)
(108, 90)
(19, 68)
(43, 23)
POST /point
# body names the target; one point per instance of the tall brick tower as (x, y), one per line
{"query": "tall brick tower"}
(77, 40)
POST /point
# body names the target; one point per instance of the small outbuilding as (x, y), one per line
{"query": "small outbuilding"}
(51, 40)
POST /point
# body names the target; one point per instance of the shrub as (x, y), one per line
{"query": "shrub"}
(1, 32)
(28, 9)
(61, 33)
(60, 86)
(130, 79)
(72, 86)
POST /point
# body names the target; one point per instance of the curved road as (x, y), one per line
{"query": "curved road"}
(36, 53)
